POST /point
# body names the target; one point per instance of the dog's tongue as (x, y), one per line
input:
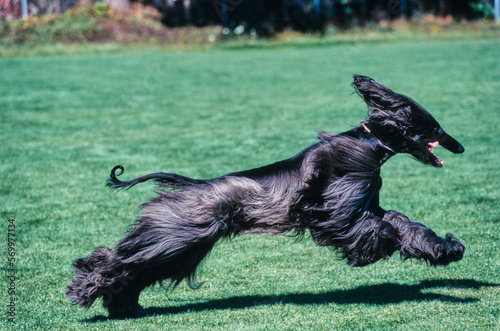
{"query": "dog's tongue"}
(434, 144)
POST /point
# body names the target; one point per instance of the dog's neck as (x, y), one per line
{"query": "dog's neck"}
(384, 150)
(378, 140)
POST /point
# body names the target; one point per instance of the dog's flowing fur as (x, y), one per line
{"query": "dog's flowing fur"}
(331, 189)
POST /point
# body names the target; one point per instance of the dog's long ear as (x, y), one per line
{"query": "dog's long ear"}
(376, 96)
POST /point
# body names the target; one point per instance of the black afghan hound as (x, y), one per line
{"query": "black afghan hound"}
(331, 189)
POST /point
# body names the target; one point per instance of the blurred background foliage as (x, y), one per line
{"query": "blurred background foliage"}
(203, 22)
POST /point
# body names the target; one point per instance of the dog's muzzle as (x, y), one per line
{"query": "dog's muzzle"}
(451, 144)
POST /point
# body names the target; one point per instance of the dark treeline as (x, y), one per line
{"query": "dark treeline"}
(267, 16)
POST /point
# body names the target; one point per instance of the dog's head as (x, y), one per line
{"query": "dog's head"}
(412, 129)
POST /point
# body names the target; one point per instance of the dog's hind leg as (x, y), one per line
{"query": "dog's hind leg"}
(142, 258)
(121, 299)
(176, 232)
(414, 240)
(102, 274)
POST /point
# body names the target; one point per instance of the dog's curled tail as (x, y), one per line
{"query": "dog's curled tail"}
(93, 274)
(163, 178)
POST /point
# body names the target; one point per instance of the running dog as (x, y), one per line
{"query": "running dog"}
(330, 189)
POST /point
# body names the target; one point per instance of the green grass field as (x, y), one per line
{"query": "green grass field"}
(66, 121)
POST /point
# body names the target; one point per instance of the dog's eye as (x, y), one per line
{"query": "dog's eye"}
(437, 133)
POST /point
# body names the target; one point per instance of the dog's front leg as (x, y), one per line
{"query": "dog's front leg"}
(418, 241)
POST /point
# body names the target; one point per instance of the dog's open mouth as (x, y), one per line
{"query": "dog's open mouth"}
(432, 145)
(425, 154)
(430, 157)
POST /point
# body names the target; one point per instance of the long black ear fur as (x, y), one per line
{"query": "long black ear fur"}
(376, 96)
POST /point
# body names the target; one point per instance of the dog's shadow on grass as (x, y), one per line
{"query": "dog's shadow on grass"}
(380, 294)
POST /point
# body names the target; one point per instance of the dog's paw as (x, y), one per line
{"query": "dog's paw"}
(449, 250)
(456, 249)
